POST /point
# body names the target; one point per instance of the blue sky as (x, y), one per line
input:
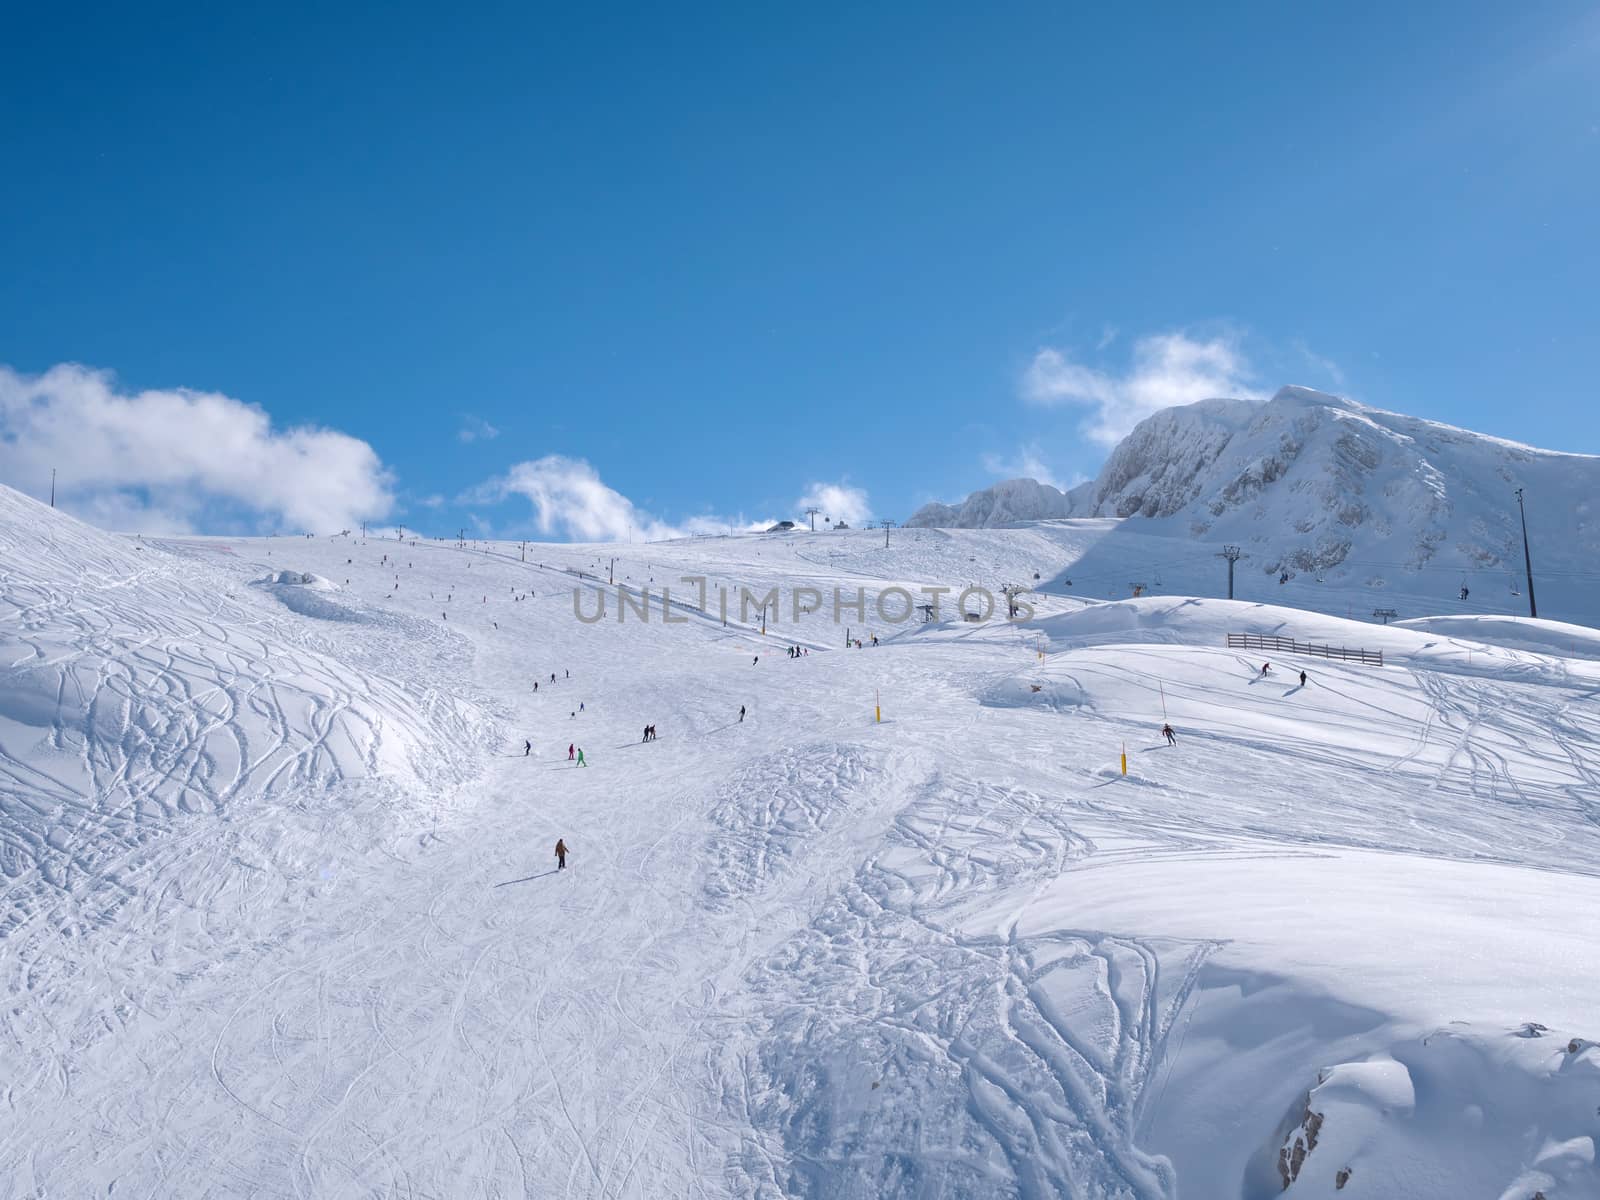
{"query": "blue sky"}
(637, 265)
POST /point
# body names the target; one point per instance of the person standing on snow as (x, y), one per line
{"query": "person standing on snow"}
(581, 763)
(1166, 732)
(571, 749)
(527, 747)
(741, 714)
(1302, 679)
(561, 854)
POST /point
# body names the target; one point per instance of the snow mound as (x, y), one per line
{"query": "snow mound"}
(298, 579)
(142, 688)
(1451, 1114)
(311, 595)
(1556, 638)
(1034, 690)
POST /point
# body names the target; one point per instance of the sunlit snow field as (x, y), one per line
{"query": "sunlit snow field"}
(281, 915)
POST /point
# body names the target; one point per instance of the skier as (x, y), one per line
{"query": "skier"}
(571, 748)
(536, 685)
(580, 705)
(874, 639)
(741, 714)
(569, 673)
(1265, 667)
(561, 854)
(755, 660)
(527, 747)
(646, 736)
(1166, 732)
(1302, 679)
(552, 676)
(581, 763)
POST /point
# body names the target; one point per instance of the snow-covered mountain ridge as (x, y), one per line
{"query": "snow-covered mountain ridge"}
(1308, 481)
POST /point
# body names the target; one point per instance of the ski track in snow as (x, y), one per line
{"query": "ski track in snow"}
(281, 916)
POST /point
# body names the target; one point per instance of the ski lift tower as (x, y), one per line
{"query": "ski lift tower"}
(1011, 591)
(812, 513)
(1233, 554)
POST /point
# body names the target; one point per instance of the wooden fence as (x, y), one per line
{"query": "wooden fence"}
(1280, 645)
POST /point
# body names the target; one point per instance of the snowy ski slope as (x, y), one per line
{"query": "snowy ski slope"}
(282, 917)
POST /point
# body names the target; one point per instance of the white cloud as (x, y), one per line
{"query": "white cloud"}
(176, 459)
(1166, 369)
(1028, 464)
(571, 500)
(1321, 362)
(838, 502)
(475, 429)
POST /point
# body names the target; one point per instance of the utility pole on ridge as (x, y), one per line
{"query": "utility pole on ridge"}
(1527, 556)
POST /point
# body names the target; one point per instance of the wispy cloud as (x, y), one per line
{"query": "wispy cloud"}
(176, 460)
(570, 500)
(1320, 362)
(1029, 463)
(1164, 369)
(475, 429)
(838, 502)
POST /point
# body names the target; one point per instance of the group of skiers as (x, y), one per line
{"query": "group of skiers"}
(1266, 669)
(649, 733)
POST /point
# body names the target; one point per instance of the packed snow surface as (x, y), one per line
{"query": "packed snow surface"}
(282, 916)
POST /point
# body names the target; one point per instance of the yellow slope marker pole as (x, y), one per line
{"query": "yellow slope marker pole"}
(877, 705)
(1124, 758)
